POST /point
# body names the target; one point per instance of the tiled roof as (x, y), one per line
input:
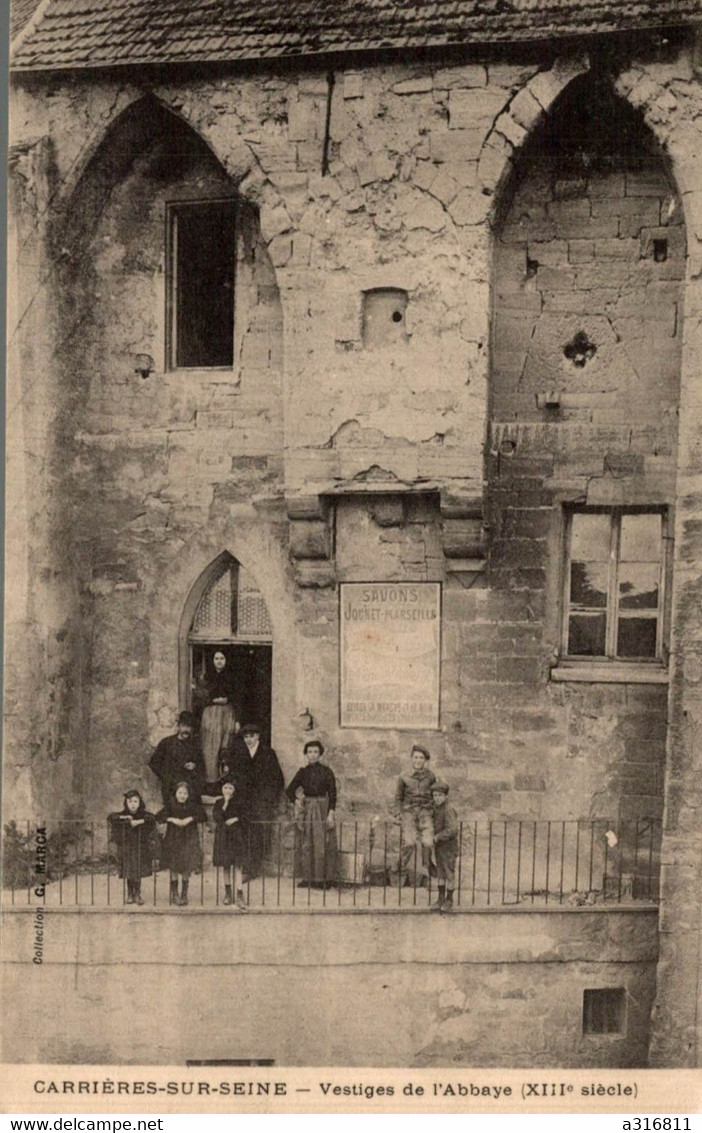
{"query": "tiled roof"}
(87, 33)
(21, 12)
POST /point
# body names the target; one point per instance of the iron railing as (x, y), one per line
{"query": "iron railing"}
(499, 864)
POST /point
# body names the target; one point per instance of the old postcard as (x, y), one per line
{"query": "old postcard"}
(353, 663)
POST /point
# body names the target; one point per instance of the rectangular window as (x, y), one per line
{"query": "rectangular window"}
(604, 1011)
(614, 585)
(201, 263)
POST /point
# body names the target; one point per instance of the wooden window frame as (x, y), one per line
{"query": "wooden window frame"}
(612, 612)
(604, 1012)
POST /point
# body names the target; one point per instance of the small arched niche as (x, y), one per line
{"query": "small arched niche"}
(383, 317)
(227, 613)
(588, 267)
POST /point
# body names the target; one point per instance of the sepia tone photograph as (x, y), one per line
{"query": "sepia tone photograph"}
(353, 600)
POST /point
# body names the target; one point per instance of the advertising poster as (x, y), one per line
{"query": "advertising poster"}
(390, 654)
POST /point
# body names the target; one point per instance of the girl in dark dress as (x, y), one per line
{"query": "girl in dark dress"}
(313, 791)
(181, 852)
(230, 848)
(133, 830)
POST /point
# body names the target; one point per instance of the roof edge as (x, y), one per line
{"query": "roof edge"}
(529, 40)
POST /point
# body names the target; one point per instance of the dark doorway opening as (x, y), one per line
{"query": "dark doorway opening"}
(231, 618)
(249, 667)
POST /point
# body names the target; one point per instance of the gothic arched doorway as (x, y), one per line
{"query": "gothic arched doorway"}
(230, 617)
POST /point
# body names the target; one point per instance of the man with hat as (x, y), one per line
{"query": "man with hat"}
(254, 767)
(178, 759)
(445, 845)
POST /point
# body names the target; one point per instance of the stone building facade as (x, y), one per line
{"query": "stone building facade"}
(464, 285)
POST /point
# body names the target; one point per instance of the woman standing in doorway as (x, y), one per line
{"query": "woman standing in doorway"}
(219, 723)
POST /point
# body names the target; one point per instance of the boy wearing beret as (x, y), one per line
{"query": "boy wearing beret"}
(445, 846)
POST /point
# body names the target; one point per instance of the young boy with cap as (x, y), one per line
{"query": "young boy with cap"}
(445, 845)
(413, 811)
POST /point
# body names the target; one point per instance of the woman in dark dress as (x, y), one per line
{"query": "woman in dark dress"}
(313, 791)
(181, 852)
(133, 831)
(230, 841)
(218, 725)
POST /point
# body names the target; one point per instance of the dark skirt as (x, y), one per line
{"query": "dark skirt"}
(181, 851)
(135, 848)
(230, 845)
(316, 843)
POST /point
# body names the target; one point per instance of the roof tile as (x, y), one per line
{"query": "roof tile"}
(82, 33)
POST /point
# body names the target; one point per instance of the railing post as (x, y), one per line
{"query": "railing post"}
(475, 860)
(371, 846)
(459, 863)
(30, 867)
(650, 859)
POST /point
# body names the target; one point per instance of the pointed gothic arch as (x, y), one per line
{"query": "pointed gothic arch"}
(589, 248)
(226, 611)
(143, 124)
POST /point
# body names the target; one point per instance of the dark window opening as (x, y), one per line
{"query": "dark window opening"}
(660, 251)
(202, 263)
(604, 1011)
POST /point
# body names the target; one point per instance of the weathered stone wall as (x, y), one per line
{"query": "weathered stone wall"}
(387, 989)
(586, 349)
(123, 490)
(165, 471)
(671, 99)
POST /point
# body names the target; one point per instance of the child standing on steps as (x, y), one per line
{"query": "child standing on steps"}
(445, 846)
(133, 831)
(230, 842)
(181, 853)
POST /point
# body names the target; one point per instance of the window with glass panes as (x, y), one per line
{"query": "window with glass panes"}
(614, 585)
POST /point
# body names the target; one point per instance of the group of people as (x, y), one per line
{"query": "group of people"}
(229, 767)
(245, 798)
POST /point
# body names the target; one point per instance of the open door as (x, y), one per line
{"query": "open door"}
(231, 618)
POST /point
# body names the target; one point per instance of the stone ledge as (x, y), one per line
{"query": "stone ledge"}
(614, 673)
(110, 938)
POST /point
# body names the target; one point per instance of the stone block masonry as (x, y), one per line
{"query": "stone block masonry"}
(548, 358)
(486, 990)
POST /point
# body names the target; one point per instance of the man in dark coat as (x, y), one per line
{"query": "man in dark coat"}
(178, 759)
(255, 769)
